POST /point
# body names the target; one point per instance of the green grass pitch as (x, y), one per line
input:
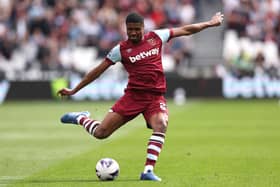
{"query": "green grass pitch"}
(213, 143)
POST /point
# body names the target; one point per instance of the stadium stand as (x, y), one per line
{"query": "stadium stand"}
(252, 37)
(42, 36)
(40, 39)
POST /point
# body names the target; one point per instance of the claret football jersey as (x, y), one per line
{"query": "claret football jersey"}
(143, 61)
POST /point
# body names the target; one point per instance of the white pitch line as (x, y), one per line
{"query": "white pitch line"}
(11, 177)
(5, 180)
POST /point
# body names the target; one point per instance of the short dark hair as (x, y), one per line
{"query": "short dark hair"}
(134, 18)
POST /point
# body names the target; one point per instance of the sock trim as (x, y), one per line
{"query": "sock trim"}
(148, 168)
(93, 127)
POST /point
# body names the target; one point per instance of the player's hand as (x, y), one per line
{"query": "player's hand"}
(217, 19)
(65, 92)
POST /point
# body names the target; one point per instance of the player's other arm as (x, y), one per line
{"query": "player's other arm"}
(216, 20)
(88, 78)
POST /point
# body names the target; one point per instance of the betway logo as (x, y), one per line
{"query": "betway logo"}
(144, 54)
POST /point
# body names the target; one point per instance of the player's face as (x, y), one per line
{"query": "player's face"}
(135, 31)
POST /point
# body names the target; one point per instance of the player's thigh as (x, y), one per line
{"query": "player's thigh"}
(110, 123)
(156, 115)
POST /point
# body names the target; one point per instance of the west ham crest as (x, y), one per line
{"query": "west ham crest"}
(151, 41)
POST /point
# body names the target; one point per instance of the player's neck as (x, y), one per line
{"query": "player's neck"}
(135, 42)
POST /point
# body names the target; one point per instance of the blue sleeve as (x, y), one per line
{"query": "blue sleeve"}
(115, 54)
(164, 34)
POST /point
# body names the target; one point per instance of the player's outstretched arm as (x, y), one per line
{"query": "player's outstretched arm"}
(88, 78)
(216, 20)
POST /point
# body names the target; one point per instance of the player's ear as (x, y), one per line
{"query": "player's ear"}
(142, 26)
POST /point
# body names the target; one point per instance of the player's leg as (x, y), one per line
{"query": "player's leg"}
(158, 123)
(110, 123)
(100, 130)
(122, 111)
(157, 118)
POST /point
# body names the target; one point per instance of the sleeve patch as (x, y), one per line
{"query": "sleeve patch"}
(114, 55)
(164, 34)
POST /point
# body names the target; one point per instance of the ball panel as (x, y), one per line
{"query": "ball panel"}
(107, 169)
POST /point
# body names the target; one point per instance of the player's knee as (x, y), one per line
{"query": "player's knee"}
(160, 126)
(101, 133)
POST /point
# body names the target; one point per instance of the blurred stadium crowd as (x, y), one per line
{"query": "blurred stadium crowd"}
(252, 37)
(73, 35)
(46, 35)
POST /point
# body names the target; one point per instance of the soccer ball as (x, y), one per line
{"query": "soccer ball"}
(107, 169)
